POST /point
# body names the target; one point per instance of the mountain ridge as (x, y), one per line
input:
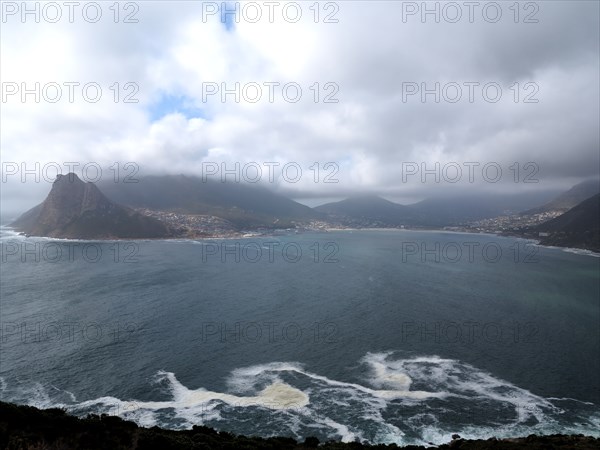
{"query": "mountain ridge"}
(186, 206)
(431, 212)
(568, 199)
(244, 205)
(579, 227)
(75, 209)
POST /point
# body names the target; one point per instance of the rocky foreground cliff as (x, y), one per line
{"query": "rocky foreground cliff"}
(28, 428)
(78, 210)
(579, 227)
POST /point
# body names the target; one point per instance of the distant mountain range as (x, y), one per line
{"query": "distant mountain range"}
(568, 199)
(371, 210)
(74, 209)
(78, 210)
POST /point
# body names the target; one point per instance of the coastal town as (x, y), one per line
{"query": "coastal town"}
(508, 223)
(195, 226)
(203, 226)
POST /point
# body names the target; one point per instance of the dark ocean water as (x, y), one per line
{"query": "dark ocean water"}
(384, 336)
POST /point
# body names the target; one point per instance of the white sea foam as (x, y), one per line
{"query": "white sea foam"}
(579, 251)
(10, 233)
(277, 395)
(373, 410)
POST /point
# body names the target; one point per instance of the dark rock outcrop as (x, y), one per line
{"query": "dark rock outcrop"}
(28, 428)
(78, 210)
(579, 227)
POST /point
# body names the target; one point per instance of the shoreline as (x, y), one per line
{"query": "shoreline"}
(28, 427)
(286, 232)
(248, 235)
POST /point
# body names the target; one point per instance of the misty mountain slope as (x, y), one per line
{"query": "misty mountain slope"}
(583, 217)
(367, 209)
(28, 219)
(453, 210)
(78, 210)
(579, 227)
(568, 199)
(432, 212)
(242, 204)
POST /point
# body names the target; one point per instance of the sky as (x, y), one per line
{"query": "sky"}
(316, 100)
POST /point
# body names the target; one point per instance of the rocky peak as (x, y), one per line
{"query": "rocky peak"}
(76, 209)
(69, 198)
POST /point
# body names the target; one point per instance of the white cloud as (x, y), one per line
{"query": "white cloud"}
(369, 133)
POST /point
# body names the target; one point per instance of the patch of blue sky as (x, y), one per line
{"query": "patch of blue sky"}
(171, 104)
(229, 12)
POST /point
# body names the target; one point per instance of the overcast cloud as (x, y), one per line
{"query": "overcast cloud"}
(372, 134)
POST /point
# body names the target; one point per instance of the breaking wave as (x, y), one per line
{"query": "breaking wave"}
(419, 400)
